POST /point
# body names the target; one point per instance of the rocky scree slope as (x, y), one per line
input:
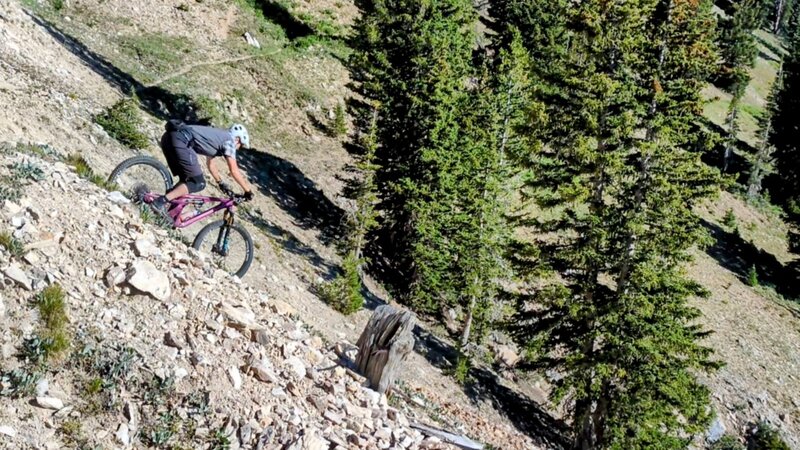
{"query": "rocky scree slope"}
(167, 350)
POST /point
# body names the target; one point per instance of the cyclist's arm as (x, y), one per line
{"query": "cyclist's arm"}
(213, 169)
(236, 174)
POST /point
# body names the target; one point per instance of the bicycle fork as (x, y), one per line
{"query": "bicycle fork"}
(221, 246)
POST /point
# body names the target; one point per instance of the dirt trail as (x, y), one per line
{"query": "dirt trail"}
(190, 67)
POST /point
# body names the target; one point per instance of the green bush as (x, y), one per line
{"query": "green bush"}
(18, 383)
(461, 369)
(12, 245)
(752, 276)
(729, 220)
(339, 121)
(9, 191)
(766, 438)
(122, 121)
(27, 171)
(84, 170)
(344, 293)
(55, 338)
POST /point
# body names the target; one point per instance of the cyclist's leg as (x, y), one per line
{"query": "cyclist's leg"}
(186, 163)
(168, 148)
(195, 183)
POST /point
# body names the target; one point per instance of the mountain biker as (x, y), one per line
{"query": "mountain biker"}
(182, 144)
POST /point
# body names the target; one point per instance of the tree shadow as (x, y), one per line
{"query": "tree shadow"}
(155, 100)
(279, 15)
(739, 256)
(292, 244)
(485, 385)
(295, 193)
(738, 165)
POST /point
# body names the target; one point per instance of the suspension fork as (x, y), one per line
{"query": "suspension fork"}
(221, 246)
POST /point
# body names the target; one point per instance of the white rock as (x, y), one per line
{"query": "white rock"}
(12, 207)
(49, 403)
(17, 221)
(2, 308)
(8, 431)
(116, 211)
(240, 316)
(144, 276)
(115, 276)
(236, 377)
(180, 373)
(118, 198)
(42, 387)
(131, 414)
(251, 40)
(297, 366)
(123, 435)
(31, 258)
(145, 248)
(15, 272)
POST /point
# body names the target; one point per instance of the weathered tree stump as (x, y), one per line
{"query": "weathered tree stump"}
(384, 345)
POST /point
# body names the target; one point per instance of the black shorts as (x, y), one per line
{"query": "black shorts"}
(182, 160)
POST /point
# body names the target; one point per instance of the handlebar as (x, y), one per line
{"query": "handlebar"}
(239, 198)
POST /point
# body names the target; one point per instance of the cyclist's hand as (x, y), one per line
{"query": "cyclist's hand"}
(225, 188)
(248, 196)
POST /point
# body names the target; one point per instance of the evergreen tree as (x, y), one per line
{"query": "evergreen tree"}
(443, 130)
(614, 185)
(414, 58)
(344, 292)
(738, 49)
(497, 110)
(762, 162)
(783, 136)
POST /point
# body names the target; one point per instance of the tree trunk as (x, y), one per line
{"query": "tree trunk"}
(384, 345)
(733, 129)
(467, 325)
(779, 9)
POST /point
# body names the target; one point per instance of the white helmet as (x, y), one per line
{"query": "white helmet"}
(238, 130)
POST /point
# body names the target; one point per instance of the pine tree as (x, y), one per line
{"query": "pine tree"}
(783, 136)
(414, 58)
(497, 110)
(614, 184)
(344, 292)
(738, 49)
(762, 162)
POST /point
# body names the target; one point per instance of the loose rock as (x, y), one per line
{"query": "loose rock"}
(49, 403)
(15, 273)
(236, 377)
(144, 276)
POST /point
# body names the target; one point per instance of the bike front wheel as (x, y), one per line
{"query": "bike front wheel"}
(141, 173)
(230, 246)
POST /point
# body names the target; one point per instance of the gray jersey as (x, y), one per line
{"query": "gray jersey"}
(210, 141)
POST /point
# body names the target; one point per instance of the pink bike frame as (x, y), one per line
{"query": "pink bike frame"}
(197, 201)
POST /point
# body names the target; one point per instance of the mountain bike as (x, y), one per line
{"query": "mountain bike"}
(143, 179)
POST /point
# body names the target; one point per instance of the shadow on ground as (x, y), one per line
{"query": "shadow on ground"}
(156, 100)
(277, 13)
(739, 256)
(295, 193)
(276, 177)
(485, 385)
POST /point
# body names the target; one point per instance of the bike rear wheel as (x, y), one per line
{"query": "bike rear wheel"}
(229, 245)
(132, 174)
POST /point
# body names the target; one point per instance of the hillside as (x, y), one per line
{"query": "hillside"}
(61, 66)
